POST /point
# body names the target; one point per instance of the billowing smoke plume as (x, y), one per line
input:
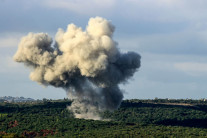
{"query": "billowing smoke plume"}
(87, 64)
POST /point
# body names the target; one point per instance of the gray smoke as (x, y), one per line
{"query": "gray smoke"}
(87, 64)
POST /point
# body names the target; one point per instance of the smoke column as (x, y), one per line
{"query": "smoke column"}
(87, 64)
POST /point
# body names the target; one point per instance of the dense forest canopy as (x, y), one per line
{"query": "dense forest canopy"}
(146, 118)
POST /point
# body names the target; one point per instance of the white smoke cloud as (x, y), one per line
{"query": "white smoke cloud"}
(87, 64)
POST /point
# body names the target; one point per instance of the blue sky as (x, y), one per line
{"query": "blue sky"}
(170, 35)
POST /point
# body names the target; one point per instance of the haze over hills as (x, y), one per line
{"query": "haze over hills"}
(15, 99)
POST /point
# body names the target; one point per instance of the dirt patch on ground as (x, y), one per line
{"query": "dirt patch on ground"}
(181, 104)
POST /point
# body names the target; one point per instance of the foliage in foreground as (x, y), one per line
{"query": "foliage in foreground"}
(143, 118)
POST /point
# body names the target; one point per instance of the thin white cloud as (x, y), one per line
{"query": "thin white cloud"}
(165, 10)
(9, 66)
(85, 7)
(192, 68)
(188, 41)
(10, 40)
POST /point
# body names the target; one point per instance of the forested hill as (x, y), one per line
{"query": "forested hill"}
(138, 118)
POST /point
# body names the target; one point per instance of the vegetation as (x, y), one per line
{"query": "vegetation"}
(138, 118)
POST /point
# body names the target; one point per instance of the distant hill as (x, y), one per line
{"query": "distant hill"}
(15, 99)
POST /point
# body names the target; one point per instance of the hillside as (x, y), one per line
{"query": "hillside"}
(143, 118)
